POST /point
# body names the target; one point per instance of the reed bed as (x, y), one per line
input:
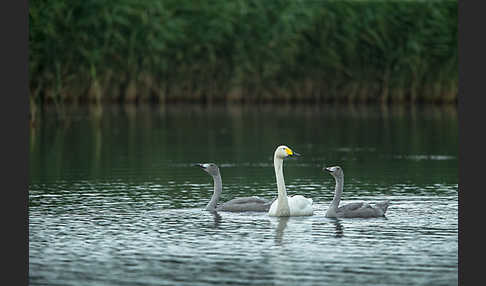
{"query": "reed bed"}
(243, 51)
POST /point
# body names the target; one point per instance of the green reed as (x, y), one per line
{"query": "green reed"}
(252, 51)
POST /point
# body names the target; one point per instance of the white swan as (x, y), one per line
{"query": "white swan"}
(243, 204)
(360, 209)
(285, 205)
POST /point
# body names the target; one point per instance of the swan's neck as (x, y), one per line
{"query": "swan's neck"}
(282, 199)
(338, 191)
(218, 185)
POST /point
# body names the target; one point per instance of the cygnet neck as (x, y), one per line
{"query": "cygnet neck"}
(338, 191)
(218, 185)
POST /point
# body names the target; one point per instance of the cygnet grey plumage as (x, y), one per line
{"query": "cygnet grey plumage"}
(356, 210)
(255, 204)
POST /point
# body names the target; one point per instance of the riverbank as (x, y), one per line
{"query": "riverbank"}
(243, 52)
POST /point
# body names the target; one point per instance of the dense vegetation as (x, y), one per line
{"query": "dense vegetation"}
(253, 51)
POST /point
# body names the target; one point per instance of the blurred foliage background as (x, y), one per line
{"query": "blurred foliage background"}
(242, 51)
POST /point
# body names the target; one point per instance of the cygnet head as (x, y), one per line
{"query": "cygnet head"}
(211, 168)
(283, 152)
(335, 171)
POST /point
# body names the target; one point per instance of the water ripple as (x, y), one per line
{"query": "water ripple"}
(141, 234)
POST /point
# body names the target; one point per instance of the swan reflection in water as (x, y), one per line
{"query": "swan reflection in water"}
(279, 231)
(339, 229)
(216, 217)
(282, 225)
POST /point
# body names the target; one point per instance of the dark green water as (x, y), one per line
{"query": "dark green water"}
(114, 199)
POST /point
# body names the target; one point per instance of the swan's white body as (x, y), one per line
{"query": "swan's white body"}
(287, 205)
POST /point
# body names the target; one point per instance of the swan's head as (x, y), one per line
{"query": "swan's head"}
(211, 168)
(283, 152)
(335, 171)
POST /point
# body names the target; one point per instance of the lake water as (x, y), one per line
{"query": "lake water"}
(114, 198)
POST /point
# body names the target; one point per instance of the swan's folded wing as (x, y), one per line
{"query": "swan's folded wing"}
(246, 200)
(383, 206)
(300, 205)
(350, 207)
(245, 204)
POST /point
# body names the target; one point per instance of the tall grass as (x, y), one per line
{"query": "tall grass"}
(279, 50)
